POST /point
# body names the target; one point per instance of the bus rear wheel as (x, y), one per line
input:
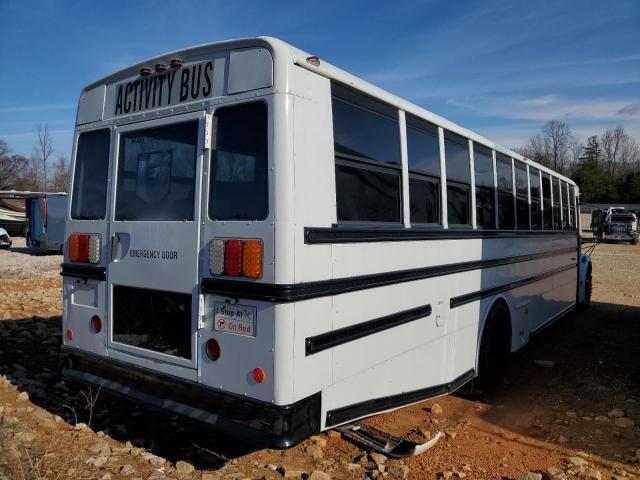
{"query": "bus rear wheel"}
(588, 288)
(495, 347)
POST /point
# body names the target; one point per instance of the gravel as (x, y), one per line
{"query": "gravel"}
(19, 262)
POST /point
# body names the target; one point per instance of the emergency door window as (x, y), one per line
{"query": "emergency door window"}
(156, 173)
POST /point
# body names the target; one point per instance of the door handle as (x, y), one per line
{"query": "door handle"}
(115, 245)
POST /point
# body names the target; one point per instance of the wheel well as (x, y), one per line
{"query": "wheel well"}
(505, 322)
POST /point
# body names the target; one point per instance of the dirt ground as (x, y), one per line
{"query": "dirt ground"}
(579, 418)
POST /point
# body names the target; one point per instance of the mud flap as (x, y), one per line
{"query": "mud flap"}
(386, 443)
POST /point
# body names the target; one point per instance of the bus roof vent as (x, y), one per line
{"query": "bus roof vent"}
(91, 105)
(250, 70)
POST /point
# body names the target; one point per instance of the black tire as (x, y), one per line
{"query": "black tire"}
(495, 348)
(588, 288)
(634, 241)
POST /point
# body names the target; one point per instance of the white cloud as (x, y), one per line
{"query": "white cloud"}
(38, 108)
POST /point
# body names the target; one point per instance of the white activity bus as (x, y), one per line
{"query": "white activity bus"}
(265, 243)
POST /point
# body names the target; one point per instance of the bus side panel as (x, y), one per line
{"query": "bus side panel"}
(315, 198)
(412, 370)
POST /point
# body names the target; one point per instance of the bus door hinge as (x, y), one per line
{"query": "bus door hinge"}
(208, 121)
(201, 312)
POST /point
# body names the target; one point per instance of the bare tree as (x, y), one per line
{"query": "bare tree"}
(4, 148)
(558, 140)
(60, 175)
(618, 149)
(44, 149)
(11, 168)
(536, 150)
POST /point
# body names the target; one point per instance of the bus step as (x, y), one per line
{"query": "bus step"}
(386, 443)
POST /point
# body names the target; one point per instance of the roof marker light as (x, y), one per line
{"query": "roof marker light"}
(145, 71)
(160, 67)
(176, 63)
(313, 60)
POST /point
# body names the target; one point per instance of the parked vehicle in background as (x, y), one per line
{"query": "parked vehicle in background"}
(5, 239)
(614, 224)
(45, 221)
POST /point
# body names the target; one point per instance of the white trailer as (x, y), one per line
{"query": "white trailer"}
(263, 242)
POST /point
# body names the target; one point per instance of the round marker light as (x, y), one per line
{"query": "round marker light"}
(145, 71)
(313, 60)
(69, 334)
(96, 324)
(160, 67)
(258, 375)
(176, 63)
(213, 349)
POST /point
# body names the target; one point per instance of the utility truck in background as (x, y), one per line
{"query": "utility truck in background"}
(614, 224)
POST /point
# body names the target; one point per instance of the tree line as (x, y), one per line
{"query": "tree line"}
(38, 172)
(606, 167)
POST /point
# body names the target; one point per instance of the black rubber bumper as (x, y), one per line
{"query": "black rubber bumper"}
(254, 421)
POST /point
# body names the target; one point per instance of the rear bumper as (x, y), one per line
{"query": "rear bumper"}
(254, 421)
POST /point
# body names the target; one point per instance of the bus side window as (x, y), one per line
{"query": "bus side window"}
(566, 199)
(456, 153)
(366, 136)
(506, 208)
(546, 194)
(557, 194)
(522, 196)
(574, 208)
(423, 150)
(534, 187)
(485, 193)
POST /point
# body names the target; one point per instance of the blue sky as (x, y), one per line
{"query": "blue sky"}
(501, 68)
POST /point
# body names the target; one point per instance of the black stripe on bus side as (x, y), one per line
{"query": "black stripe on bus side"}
(319, 235)
(344, 335)
(83, 271)
(487, 292)
(282, 293)
(375, 405)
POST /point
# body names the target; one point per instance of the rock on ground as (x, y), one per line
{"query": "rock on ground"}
(531, 476)
(319, 475)
(184, 468)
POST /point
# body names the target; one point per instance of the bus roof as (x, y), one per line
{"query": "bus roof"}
(284, 53)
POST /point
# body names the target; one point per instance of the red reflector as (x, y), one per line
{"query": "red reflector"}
(96, 324)
(83, 248)
(213, 349)
(233, 257)
(259, 375)
(69, 334)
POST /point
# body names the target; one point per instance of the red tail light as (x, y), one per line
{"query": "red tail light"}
(83, 248)
(258, 375)
(213, 349)
(96, 324)
(69, 334)
(233, 257)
